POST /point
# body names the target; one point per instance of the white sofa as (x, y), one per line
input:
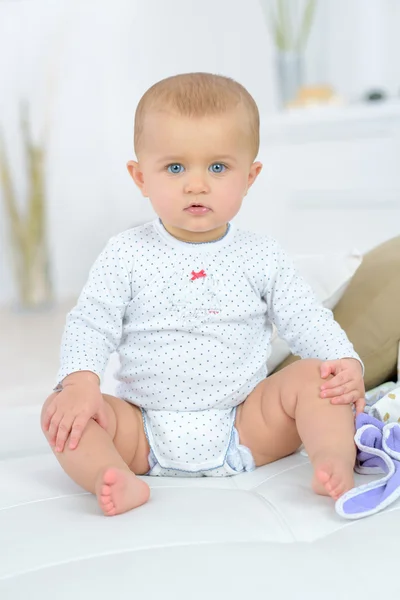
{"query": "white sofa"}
(257, 535)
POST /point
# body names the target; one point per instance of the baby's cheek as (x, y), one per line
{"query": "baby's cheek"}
(163, 201)
(230, 191)
(238, 186)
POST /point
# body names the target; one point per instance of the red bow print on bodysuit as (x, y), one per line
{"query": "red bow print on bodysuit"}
(198, 275)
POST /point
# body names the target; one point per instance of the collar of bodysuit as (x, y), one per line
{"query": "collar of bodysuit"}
(201, 246)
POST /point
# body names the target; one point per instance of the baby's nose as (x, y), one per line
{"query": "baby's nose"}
(196, 185)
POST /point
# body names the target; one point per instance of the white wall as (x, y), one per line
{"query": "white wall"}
(85, 65)
(355, 46)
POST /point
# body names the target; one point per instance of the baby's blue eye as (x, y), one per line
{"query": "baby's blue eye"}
(175, 168)
(217, 168)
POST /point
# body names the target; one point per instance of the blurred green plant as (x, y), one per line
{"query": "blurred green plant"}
(290, 22)
(27, 228)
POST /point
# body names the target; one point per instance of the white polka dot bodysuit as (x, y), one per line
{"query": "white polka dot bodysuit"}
(192, 325)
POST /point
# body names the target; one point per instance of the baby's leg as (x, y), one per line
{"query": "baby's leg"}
(286, 409)
(105, 461)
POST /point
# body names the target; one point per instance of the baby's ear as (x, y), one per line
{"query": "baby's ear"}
(255, 170)
(137, 175)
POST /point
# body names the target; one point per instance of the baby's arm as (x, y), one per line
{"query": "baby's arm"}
(94, 326)
(307, 326)
(92, 332)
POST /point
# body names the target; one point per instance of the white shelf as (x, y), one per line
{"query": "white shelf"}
(327, 123)
(334, 158)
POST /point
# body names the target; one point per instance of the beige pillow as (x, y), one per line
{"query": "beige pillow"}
(369, 313)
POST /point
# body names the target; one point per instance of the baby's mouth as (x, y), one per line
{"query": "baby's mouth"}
(197, 209)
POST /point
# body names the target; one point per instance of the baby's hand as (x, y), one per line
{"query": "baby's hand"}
(346, 385)
(69, 411)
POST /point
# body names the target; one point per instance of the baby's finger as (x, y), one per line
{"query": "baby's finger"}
(53, 427)
(349, 398)
(50, 412)
(77, 429)
(336, 391)
(339, 379)
(360, 405)
(64, 429)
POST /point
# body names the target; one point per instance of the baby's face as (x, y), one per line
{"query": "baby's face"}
(205, 161)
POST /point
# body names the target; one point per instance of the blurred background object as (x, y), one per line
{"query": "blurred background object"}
(307, 96)
(27, 228)
(344, 47)
(290, 24)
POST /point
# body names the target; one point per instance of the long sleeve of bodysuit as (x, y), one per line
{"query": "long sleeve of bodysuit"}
(94, 326)
(309, 329)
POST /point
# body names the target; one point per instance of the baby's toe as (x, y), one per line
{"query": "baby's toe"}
(110, 513)
(107, 505)
(110, 477)
(106, 502)
(323, 476)
(105, 490)
(336, 491)
(334, 483)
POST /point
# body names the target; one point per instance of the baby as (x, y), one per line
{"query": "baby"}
(188, 301)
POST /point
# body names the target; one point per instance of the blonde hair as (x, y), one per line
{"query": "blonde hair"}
(198, 95)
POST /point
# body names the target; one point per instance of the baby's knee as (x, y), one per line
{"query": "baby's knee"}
(308, 370)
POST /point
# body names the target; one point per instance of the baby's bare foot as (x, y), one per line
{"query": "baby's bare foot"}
(119, 491)
(333, 477)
